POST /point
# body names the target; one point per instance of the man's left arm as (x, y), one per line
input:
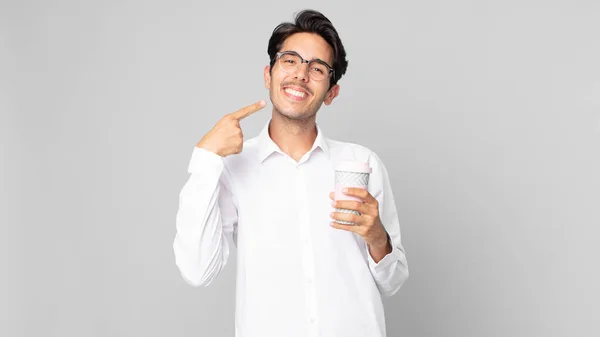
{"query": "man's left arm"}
(379, 225)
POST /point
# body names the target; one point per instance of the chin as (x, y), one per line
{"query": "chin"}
(295, 114)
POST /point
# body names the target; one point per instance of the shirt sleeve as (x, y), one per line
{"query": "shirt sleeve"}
(205, 219)
(391, 271)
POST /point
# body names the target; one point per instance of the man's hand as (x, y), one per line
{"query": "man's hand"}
(226, 137)
(367, 224)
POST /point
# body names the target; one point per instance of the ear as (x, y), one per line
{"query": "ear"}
(331, 94)
(267, 77)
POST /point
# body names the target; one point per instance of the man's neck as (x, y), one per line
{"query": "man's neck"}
(294, 137)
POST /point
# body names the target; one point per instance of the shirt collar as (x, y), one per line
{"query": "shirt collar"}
(267, 146)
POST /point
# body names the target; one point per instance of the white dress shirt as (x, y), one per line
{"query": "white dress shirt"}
(296, 275)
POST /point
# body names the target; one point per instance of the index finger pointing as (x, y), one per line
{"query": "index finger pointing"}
(249, 110)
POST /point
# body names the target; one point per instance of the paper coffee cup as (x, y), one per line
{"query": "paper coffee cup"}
(350, 174)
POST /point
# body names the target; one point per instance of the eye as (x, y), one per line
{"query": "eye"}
(319, 69)
(289, 59)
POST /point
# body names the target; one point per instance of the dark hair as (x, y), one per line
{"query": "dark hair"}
(310, 21)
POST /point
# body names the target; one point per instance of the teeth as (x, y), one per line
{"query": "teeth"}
(295, 92)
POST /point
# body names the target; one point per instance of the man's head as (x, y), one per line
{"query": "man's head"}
(307, 59)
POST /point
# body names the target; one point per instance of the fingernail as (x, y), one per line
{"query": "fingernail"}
(262, 103)
(333, 204)
(345, 190)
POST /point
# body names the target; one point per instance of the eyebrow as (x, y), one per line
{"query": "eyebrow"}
(311, 60)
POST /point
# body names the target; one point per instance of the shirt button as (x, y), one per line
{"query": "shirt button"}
(309, 280)
(312, 319)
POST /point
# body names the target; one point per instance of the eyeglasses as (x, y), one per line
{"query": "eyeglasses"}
(290, 61)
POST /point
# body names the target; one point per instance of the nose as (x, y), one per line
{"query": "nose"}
(302, 72)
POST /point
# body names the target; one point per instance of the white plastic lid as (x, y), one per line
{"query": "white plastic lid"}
(353, 166)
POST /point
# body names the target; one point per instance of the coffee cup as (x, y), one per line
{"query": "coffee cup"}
(350, 174)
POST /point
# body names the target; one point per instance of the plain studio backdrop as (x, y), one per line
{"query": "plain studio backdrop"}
(486, 114)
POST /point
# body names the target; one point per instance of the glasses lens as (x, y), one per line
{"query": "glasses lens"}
(318, 71)
(289, 62)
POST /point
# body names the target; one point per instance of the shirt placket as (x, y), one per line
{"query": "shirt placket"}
(307, 250)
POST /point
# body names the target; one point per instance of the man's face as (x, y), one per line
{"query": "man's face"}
(294, 94)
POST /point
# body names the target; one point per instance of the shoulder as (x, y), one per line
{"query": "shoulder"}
(248, 157)
(340, 150)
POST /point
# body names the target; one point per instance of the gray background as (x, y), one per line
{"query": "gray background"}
(486, 113)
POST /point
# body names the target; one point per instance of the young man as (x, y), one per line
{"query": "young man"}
(298, 273)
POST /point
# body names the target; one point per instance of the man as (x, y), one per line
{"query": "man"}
(298, 273)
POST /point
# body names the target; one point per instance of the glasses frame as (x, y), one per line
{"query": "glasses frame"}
(302, 60)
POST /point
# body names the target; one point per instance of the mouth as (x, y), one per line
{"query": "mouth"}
(295, 93)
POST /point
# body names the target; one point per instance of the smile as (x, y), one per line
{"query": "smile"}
(296, 94)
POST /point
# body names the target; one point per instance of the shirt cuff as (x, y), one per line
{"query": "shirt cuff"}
(386, 265)
(204, 161)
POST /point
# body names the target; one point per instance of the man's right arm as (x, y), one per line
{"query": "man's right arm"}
(205, 219)
(207, 215)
